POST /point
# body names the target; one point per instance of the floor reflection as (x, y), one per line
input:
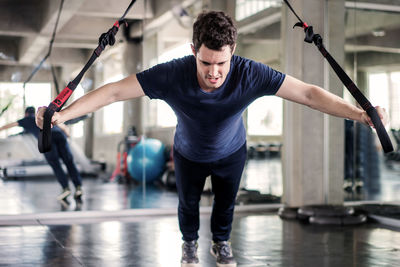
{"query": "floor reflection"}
(261, 183)
(260, 239)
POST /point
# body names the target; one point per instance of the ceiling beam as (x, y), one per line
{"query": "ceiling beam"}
(32, 47)
(387, 6)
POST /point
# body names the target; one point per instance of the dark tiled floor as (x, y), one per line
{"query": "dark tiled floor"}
(258, 240)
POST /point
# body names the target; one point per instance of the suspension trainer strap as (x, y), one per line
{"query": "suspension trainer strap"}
(310, 37)
(107, 38)
(53, 36)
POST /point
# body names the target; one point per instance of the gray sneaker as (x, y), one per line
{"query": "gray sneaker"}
(78, 193)
(189, 254)
(222, 251)
(64, 195)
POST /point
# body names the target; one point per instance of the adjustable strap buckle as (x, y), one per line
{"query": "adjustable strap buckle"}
(108, 38)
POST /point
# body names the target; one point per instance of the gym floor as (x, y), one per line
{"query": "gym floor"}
(118, 225)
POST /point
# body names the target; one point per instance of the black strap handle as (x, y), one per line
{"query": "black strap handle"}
(44, 139)
(310, 37)
(107, 38)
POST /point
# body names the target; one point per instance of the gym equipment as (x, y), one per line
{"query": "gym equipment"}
(248, 196)
(362, 166)
(168, 178)
(394, 157)
(121, 168)
(385, 214)
(108, 38)
(147, 160)
(323, 215)
(353, 89)
(20, 158)
(262, 150)
(49, 50)
(330, 214)
(287, 213)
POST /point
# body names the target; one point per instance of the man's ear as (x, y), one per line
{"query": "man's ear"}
(234, 48)
(193, 49)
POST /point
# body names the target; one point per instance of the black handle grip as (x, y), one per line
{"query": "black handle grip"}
(44, 140)
(380, 130)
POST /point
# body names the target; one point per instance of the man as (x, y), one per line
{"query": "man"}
(60, 149)
(209, 92)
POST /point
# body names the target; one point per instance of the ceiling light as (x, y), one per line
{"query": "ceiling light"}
(378, 32)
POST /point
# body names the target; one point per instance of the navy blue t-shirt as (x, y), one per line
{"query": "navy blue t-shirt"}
(29, 125)
(210, 125)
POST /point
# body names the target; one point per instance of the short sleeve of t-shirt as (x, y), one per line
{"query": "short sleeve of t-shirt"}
(157, 80)
(256, 78)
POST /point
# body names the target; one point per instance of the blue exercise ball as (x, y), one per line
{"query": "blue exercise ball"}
(146, 159)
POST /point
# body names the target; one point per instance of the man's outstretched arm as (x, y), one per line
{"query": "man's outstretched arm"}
(317, 98)
(124, 89)
(8, 126)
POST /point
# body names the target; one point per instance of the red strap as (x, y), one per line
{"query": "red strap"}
(62, 97)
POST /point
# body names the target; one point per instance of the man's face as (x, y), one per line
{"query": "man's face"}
(212, 66)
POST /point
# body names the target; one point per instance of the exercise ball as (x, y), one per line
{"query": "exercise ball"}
(146, 159)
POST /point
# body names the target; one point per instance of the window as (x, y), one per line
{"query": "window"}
(394, 100)
(246, 8)
(113, 114)
(264, 116)
(77, 128)
(177, 52)
(165, 115)
(384, 91)
(36, 94)
(379, 89)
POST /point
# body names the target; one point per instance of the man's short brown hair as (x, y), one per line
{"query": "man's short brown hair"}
(214, 29)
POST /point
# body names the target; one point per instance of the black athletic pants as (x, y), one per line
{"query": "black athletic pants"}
(61, 150)
(225, 180)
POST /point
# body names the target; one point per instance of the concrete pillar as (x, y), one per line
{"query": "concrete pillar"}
(362, 81)
(313, 152)
(134, 114)
(88, 124)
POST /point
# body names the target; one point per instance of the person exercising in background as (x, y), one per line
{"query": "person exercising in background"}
(60, 150)
(209, 92)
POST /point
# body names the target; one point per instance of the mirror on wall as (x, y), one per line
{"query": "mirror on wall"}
(109, 141)
(373, 59)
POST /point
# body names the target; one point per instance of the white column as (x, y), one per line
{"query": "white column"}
(313, 151)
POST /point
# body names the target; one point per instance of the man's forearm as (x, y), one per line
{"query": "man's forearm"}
(127, 88)
(88, 103)
(329, 103)
(317, 98)
(8, 126)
